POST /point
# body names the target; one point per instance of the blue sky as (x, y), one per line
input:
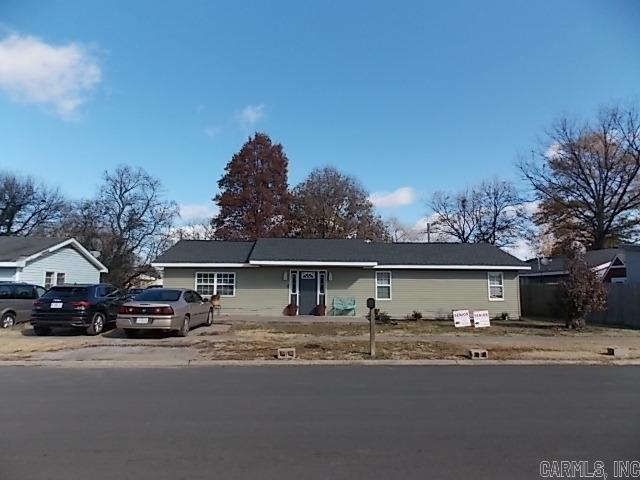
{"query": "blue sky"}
(410, 95)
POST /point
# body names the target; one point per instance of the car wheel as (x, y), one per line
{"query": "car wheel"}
(97, 324)
(184, 330)
(8, 320)
(209, 318)
(41, 331)
(131, 332)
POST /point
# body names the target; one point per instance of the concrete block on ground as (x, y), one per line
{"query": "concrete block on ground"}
(617, 351)
(286, 353)
(478, 354)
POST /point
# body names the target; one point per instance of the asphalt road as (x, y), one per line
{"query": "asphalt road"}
(456, 422)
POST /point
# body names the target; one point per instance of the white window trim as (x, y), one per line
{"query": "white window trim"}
(53, 279)
(489, 286)
(317, 272)
(215, 283)
(390, 286)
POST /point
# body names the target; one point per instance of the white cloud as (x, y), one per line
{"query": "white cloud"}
(194, 212)
(251, 114)
(58, 78)
(399, 197)
(212, 131)
(522, 249)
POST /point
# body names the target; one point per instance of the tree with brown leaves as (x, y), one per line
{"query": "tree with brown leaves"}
(330, 204)
(585, 292)
(254, 197)
(587, 179)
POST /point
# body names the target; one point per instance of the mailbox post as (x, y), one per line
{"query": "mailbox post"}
(371, 305)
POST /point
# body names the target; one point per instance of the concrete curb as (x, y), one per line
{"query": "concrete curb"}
(299, 363)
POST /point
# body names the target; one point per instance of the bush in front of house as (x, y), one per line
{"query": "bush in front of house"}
(382, 317)
(584, 291)
(414, 316)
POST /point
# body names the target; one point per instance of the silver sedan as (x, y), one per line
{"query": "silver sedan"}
(172, 309)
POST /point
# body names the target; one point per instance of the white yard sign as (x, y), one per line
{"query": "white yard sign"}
(481, 319)
(461, 318)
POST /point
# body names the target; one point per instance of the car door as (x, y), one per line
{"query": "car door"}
(23, 297)
(7, 300)
(110, 297)
(202, 306)
(195, 311)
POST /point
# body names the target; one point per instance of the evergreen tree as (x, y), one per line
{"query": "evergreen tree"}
(254, 196)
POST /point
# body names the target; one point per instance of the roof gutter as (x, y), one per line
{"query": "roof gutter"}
(452, 267)
(198, 264)
(306, 263)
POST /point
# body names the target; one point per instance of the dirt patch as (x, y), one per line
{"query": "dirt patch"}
(427, 327)
(266, 350)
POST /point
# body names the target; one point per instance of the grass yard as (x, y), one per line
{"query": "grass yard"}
(250, 339)
(430, 327)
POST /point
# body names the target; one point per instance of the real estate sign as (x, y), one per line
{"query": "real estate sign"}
(481, 319)
(461, 318)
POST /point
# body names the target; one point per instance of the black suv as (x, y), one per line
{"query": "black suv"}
(16, 302)
(91, 307)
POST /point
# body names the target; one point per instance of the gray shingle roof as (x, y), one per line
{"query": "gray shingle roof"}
(338, 250)
(207, 251)
(312, 249)
(559, 262)
(14, 248)
(477, 254)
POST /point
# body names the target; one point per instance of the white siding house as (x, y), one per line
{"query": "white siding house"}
(47, 261)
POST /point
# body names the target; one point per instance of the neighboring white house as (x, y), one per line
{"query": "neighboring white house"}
(47, 261)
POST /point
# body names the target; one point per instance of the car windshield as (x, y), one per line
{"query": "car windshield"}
(65, 292)
(159, 295)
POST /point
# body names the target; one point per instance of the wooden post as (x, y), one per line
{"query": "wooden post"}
(371, 304)
(372, 332)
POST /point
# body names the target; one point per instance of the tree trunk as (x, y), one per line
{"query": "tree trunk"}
(576, 323)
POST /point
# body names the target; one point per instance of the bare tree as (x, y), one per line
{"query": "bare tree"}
(401, 232)
(457, 215)
(28, 207)
(194, 231)
(586, 178)
(330, 204)
(492, 212)
(128, 222)
(502, 213)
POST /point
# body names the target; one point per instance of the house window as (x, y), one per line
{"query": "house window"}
(59, 278)
(496, 286)
(383, 285)
(322, 286)
(216, 283)
(48, 280)
(293, 288)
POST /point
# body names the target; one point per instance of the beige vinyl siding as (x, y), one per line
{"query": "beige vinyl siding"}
(259, 291)
(435, 293)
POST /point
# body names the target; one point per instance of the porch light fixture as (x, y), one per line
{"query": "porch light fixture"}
(285, 276)
(330, 276)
